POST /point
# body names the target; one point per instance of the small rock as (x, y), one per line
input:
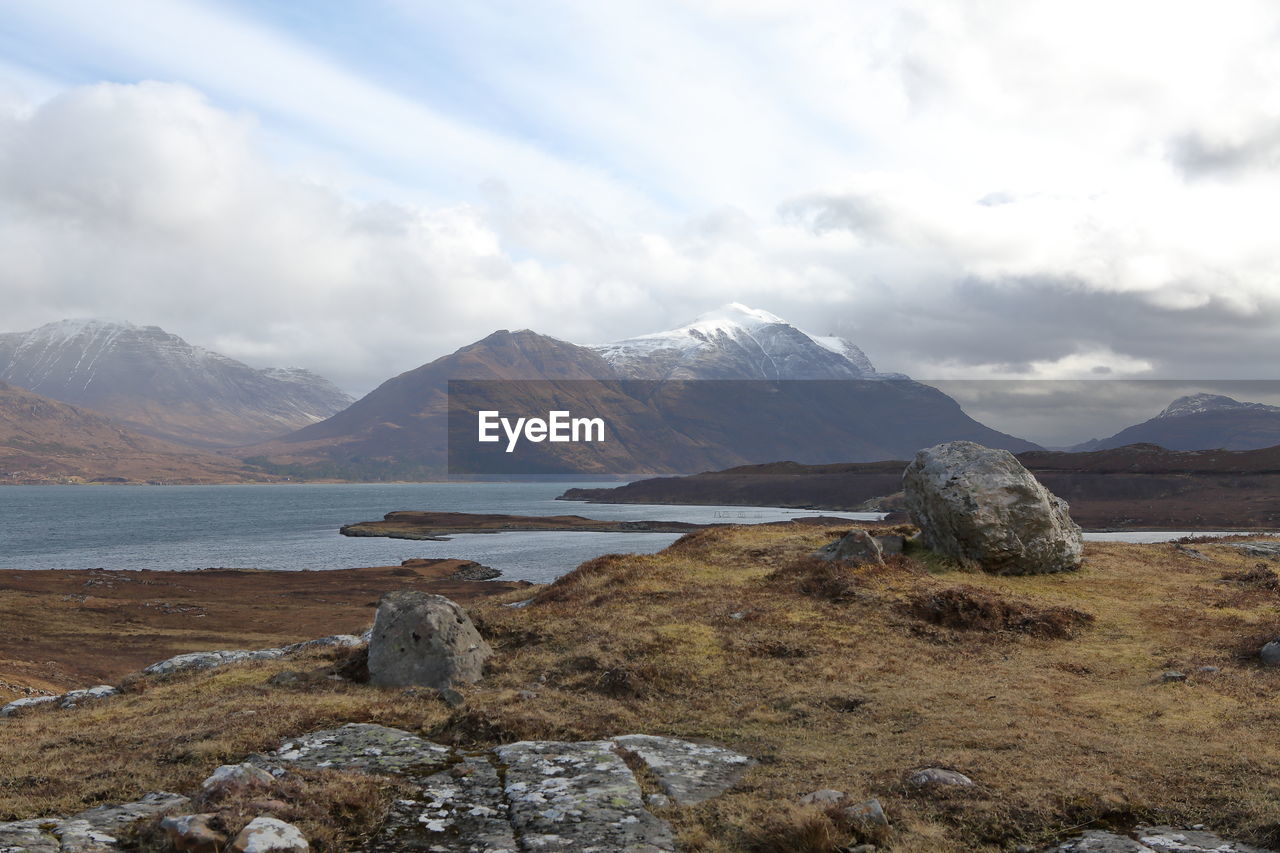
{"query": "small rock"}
(287, 678)
(268, 835)
(1208, 669)
(657, 801)
(234, 778)
(1270, 655)
(1173, 675)
(938, 776)
(452, 697)
(868, 813)
(17, 706)
(78, 697)
(825, 796)
(424, 640)
(193, 833)
(857, 546)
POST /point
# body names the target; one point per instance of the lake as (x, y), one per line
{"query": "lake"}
(295, 526)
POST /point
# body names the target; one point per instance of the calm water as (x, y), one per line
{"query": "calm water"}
(296, 526)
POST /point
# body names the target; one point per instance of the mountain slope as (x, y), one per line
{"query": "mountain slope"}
(42, 440)
(158, 384)
(829, 406)
(1201, 422)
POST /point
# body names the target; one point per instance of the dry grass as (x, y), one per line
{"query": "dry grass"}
(718, 637)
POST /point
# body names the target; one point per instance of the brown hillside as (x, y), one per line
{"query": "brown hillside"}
(43, 441)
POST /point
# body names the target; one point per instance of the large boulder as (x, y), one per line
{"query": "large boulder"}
(424, 640)
(982, 508)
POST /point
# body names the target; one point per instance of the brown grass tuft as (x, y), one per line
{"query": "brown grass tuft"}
(798, 829)
(970, 609)
(825, 580)
(1260, 576)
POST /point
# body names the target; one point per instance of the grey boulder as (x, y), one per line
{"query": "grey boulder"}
(1270, 655)
(269, 835)
(425, 641)
(982, 508)
(856, 546)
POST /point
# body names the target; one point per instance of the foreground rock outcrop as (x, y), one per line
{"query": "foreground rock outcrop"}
(96, 830)
(527, 796)
(1154, 839)
(422, 640)
(551, 796)
(981, 508)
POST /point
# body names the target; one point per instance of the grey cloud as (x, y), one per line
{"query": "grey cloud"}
(1197, 156)
(860, 214)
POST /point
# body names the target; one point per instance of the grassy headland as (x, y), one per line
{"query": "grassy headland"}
(1046, 690)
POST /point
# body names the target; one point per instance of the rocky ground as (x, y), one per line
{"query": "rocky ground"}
(908, 705)
(68, 629)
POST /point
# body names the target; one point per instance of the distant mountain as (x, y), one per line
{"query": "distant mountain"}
(1201, 422)
(675, 422)
(737, 342)
(43, 441)
(158, 384)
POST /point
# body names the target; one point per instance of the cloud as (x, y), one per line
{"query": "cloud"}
(975, 189)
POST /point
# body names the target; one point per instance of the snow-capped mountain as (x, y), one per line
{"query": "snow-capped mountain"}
(161, 385)
(1196, 404)
(737, 342)
(1201, 422)
(403, 428)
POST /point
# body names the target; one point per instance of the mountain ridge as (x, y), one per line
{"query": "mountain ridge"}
(723, 390)
(1200, 422)
(158, 384)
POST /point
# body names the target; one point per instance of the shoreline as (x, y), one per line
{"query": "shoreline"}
(69, 628)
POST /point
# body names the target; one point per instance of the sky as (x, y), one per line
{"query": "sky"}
(1023, 189)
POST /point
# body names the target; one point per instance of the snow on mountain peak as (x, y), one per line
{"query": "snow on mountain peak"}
(736, 341)
(1194, 404)
(735, 314)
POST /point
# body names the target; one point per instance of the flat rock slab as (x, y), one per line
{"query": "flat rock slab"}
(209, 660)
(688, 772)
(35, 836)
(1154, 839)
(91, 831)
(461, 810)
(578, 797)
(368, 748)
(1258, 549)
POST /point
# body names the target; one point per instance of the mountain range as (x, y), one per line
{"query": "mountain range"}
(1201, 422)
(735, 386)
(157, 384)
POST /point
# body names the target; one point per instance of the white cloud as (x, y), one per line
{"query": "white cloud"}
(1011, 188)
